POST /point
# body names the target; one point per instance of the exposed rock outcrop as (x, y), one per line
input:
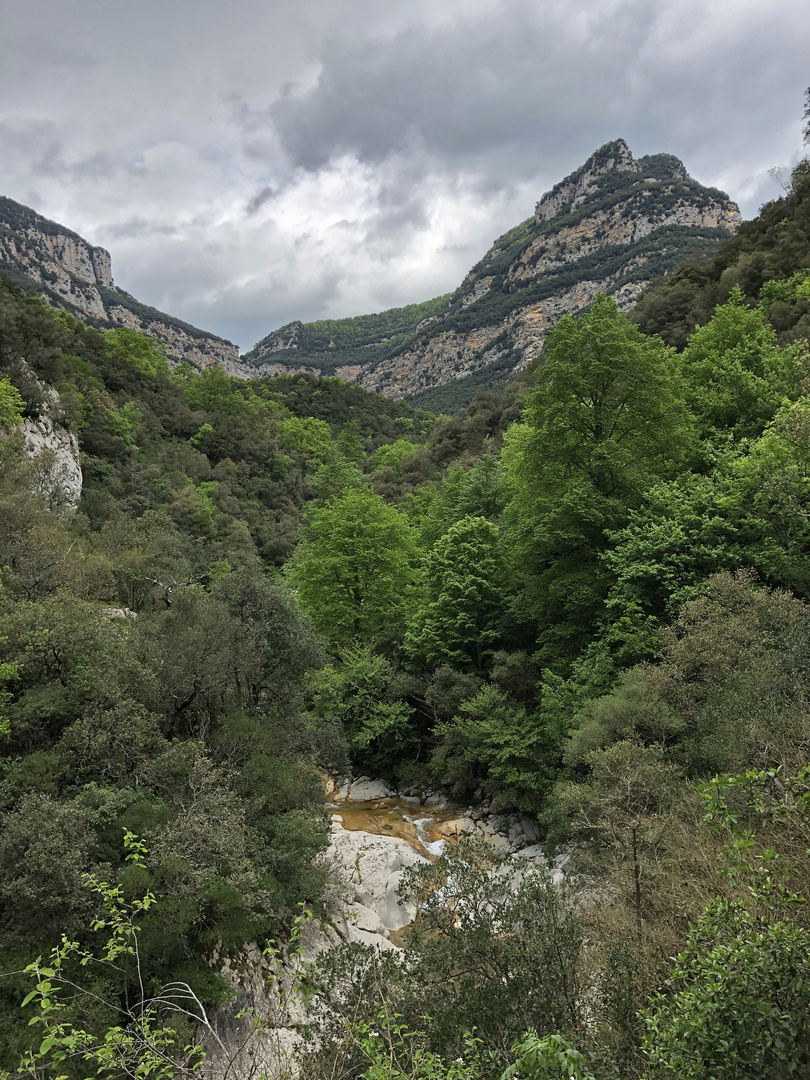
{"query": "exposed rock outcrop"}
(48, 439)
(58, 451)
(609, 227)
(69, 273)
(576, 188)
(364, 907)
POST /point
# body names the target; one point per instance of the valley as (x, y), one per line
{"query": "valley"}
(551, 649)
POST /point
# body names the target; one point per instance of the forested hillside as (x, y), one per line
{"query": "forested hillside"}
(587, 597)
(764, 253)
(329, 344)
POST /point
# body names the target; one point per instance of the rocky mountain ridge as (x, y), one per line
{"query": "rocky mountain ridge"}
(610, 226)
(69, 273)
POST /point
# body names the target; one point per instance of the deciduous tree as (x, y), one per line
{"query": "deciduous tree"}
(457, 622)
(605, 421)
(354, 569)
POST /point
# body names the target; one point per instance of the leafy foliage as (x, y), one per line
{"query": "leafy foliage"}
(739, 1004)
(458, 623)
(583, 608)
(138, 1041)
(11, 404)
(772, 247)
(736, 1002)
(353, 570)
(605, 421)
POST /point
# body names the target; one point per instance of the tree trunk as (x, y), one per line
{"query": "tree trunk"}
(637, 880)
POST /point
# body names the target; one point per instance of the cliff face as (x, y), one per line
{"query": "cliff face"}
(57, 450)
(609, 227)
(69, 273)
(47, 438)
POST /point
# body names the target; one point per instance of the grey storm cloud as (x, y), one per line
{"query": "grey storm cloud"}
(259, 163)
(528, 86)
(259, 199)
(454, 94)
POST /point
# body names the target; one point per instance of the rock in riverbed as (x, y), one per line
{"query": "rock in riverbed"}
(369, 869)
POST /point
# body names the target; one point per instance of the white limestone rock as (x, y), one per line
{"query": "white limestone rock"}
(435, 801)
(522, 831)
(534, 851)
(364, 789)
(56, 450)
(562, 859)
(455, 827)
(370, 868)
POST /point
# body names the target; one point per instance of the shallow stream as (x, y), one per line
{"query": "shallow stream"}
(420, 826)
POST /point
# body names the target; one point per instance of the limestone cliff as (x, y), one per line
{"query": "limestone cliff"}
(46, 437)
(56, 450)
(610, 226)
(69, 273)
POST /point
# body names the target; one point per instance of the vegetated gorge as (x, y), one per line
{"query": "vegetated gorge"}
(346, 737)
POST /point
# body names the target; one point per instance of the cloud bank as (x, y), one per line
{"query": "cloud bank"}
(259, 163)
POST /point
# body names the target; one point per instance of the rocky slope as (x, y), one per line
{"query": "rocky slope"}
(48, 439)
(69, 273)
(377, 835)
(610, 226)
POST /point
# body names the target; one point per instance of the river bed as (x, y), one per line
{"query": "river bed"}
(419, 826)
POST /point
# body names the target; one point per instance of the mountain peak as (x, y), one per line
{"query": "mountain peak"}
(609, 226)
(574, 190)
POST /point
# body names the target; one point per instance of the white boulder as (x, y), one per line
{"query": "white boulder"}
(369, 868)
(364, 789)
(455, 827)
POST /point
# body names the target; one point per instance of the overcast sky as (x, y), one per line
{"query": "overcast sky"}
(260, 161)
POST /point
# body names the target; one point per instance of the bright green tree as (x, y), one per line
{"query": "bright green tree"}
(605, 421)
(350, 443)
(359, 693)
(212, 390)
(354, 570)
(492, 743)
(687, 529)
(775, 477)
(392, 455)
(735, 375)
(139, 350)
(307, 435)
(474, 490)
(458, 622)
(11, 404)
